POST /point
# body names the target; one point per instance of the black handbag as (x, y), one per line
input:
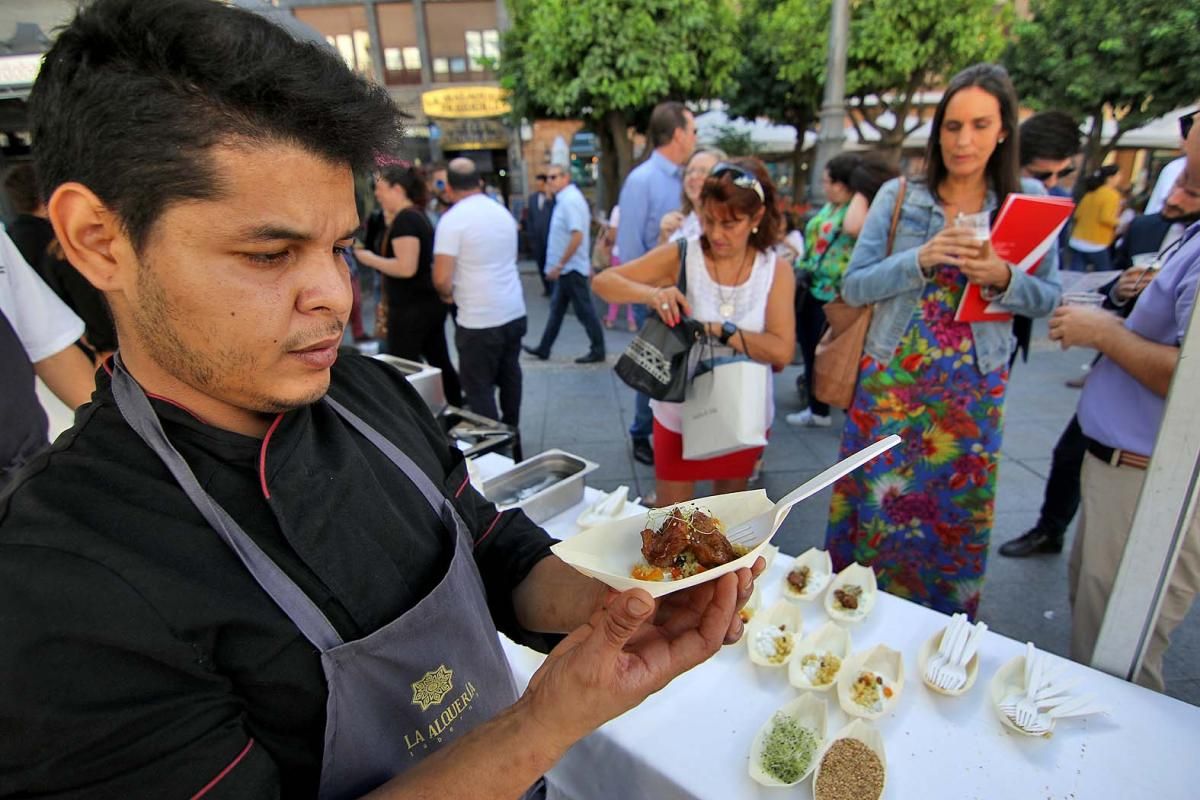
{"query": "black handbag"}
(657, 360)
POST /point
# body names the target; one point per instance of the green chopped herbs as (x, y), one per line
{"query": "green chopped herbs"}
(789, 749)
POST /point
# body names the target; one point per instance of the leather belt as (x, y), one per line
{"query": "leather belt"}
(1115, 456)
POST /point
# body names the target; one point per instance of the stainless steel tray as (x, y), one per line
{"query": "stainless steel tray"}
(543, 486)
(425, 379)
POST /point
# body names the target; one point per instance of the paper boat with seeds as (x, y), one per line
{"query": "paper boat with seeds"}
(610, 551)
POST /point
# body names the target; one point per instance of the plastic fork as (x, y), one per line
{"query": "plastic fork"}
(1027, 705)
(946, 673)
(954, 674)
(933, 668)
(1079, 707)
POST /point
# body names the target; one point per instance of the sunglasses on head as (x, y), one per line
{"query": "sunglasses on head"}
(1185, 123)
(1045, 175)
(742, 178)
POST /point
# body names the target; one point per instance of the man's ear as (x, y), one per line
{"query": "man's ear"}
(91, 235)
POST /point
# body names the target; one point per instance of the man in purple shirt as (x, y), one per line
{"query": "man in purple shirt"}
(651, 190)
(1120, 412)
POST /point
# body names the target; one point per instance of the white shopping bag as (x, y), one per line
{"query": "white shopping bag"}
(725, 409)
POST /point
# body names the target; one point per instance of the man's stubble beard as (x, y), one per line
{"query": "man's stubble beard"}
(155, 323)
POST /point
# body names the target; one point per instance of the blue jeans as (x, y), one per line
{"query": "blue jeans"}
(1098, 261)
(572, 288)
(643, 417)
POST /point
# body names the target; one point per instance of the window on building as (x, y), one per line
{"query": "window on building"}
(345, 27)
(463, 31)
(481, 45)
(397, 22)
(441, 66)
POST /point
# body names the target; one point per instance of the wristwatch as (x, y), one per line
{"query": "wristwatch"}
(728, 329)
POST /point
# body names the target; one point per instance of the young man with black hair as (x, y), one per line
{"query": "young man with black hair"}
(254, 568)
(1049, 149)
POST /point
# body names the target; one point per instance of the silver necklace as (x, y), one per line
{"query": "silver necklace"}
(726, 308)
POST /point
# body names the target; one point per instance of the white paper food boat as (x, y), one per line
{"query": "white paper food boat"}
(929, 649)
(820, 573)
(782, 617)
(609, 551)
(863, 732)
(1011, 678)
(807, 710)
(829, 638)
(853, 575)
(880, 660)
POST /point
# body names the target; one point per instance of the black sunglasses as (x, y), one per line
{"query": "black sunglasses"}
(1185, 123)
(1044, 176)
(540, 177)
(742, 178)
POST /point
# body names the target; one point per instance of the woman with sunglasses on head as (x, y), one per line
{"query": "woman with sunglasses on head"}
(922, 514)
(737, 288)
(685, 223)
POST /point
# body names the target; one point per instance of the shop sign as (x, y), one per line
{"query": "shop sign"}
(466, 102)
(474, 134)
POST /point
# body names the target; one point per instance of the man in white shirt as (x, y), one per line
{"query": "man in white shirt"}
(568, 267)
(37, 337)
(475, 267)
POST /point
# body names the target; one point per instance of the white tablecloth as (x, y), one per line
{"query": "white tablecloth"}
(692, 739)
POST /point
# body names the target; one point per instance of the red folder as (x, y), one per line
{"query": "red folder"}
(1025, 230)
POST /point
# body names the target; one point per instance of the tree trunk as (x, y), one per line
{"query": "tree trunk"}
(616, 155)
(1092, 155)
(800, 122)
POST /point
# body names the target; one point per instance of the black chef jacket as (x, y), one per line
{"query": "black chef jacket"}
(139, 658)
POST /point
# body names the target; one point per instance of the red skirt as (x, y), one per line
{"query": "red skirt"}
(670, 465)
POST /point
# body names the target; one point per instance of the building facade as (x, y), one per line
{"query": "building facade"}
(438, 60)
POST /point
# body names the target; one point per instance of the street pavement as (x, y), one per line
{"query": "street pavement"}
(587, 410)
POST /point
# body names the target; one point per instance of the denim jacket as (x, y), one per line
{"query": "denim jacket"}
(895, 283)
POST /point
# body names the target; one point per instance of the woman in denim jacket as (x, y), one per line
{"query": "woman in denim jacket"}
(922, 514)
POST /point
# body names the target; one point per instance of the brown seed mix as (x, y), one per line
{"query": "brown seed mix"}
(849, 771)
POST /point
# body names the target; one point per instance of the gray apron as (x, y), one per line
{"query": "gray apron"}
(400, 693)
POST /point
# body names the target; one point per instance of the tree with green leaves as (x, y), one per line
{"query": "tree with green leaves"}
(1126, 60)
(607, 61)
(897, 49)
(901, 47)
(782, 68)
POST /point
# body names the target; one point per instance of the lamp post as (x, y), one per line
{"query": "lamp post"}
(832, 135)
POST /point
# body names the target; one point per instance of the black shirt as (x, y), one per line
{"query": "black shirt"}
(141, 659)
(32, 235)
(23, 430)
(419, 288)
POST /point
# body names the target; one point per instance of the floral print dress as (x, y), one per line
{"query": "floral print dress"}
(921, 514)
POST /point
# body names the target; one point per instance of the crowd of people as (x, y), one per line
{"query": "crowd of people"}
(177, 613)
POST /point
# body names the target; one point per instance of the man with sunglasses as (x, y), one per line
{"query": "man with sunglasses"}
(1119, 415)
(1154, 235)
(537, 227)
(1049, 148)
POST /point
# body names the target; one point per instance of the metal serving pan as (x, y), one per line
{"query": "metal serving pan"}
(542, 486)
(425, 379)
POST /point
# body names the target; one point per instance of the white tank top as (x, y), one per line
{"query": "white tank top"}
(748, 301)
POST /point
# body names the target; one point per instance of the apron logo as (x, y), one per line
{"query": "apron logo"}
(433, 687)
